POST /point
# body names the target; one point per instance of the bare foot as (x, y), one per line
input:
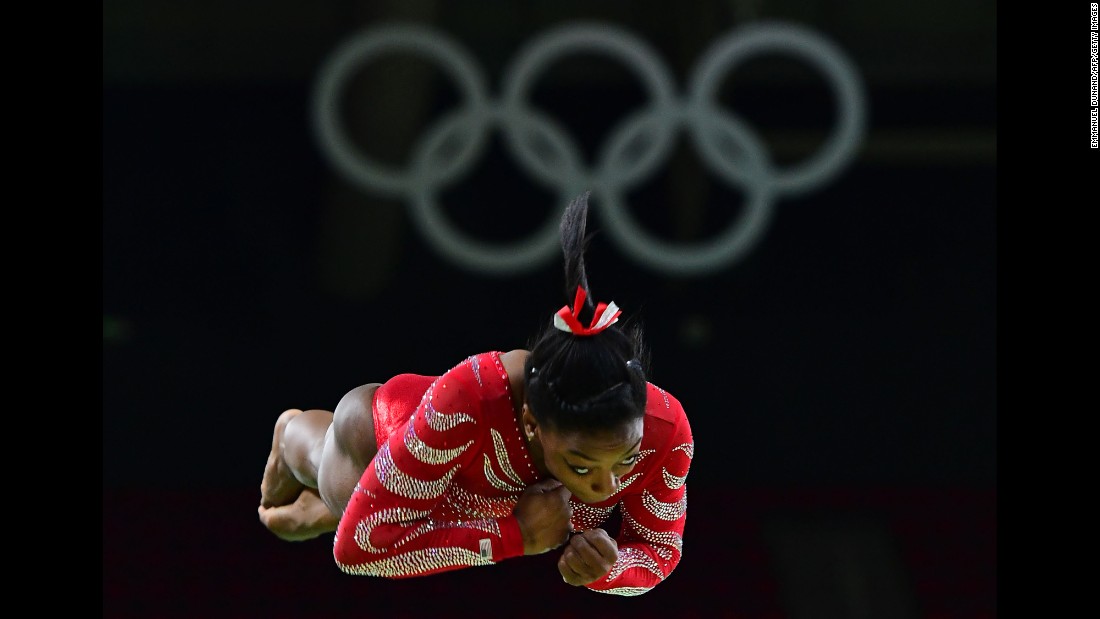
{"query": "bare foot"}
(305, 518)
(279, 486)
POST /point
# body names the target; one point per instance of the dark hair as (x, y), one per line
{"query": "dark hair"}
(578, 383)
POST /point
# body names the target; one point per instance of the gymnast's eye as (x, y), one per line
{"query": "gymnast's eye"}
(579, 470)
(631, 460)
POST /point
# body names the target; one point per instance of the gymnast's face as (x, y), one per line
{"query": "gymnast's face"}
(590, 464)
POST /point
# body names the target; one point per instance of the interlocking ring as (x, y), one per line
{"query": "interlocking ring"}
(633, 150)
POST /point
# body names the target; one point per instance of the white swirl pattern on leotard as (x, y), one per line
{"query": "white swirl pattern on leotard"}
(427, 454)
(502, 458)
(441, 422)
(664, 511)
(397, 482)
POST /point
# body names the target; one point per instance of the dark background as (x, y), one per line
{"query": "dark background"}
(840, 378)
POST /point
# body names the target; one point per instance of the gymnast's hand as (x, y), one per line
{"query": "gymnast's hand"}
(588, 557)
(543, 513)
(305, 518)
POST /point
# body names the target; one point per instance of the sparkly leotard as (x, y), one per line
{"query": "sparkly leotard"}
(439, 494)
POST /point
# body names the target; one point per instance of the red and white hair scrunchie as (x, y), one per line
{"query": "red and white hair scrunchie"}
(567, 319)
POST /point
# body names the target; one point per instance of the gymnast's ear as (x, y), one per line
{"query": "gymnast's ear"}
(530, 424)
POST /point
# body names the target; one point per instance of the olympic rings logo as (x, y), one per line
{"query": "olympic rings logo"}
(634, 148)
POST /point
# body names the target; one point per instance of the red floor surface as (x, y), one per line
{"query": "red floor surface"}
(204, 554)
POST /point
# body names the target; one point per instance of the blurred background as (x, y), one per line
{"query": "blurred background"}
(796, 197)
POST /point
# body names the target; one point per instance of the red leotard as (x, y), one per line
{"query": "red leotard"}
(439, 494)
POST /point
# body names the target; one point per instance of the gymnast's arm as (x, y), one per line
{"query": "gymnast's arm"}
(650, 541)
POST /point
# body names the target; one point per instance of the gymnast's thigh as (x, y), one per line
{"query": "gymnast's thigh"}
(350, 446)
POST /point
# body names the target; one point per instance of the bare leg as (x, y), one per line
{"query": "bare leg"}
(279, 485)
(290, 505)
(296, 452)
(316, 459)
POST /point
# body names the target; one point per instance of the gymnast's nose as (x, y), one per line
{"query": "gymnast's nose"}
(605, 484)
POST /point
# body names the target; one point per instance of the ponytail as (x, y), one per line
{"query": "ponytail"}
(585, 377)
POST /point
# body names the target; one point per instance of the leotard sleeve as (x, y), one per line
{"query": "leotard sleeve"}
(653, 516)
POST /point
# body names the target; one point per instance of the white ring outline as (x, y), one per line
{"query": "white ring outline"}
(376, 177)
(663, 115)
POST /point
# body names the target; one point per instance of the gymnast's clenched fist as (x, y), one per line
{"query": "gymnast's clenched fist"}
(588, 557)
